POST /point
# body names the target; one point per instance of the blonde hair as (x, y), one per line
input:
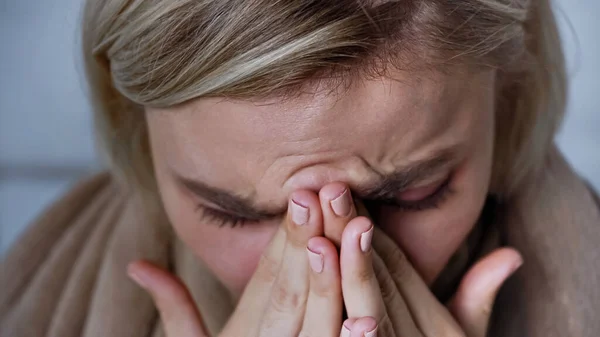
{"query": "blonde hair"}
(162, 53)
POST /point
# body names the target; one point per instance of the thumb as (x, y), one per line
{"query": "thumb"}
(472, 304)
(177, 309)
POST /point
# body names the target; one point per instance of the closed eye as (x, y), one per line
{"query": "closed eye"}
(419, 198)
(221, 218)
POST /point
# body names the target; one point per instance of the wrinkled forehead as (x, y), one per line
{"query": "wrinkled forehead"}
(364, 107)
(212, 136)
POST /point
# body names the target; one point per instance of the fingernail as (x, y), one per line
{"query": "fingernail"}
(135, 277)
(299, 213)
(345, 331)
(341, 205)
(315, 260)
(372, 333)
(365, 240)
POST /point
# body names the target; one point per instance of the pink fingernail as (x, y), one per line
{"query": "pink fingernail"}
(372, 333)
(299, 213)
(315, 260)
(341, 205)
(365, 240)
(345, 331)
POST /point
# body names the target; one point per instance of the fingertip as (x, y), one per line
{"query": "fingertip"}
(332, 191)
(357, 236)
(155, 279)
(170, 296)
(356, 227)
(325, 248)
(492, 270)
(321, 245)
(338, 208)
(304, 212)
(136, 272)
(349, 323)
(336, 201)
(347, 327)
(516, 257)
(364, 326)
(475, 297)
(305, 198)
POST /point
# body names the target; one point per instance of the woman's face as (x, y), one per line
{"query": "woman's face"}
(225, 168)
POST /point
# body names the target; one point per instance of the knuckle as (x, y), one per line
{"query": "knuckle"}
(386, 284)
(399, 266)
(285, 300)
(365, 275)
(389, 292)
(324, 290)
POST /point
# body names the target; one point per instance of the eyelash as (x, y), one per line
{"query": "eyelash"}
(222, 218)
(432, 201)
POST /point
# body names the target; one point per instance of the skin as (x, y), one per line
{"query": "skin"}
(370, 277)
(268, 149)
(304, 159)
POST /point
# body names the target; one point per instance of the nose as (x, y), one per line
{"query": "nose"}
(315, 178)
(352, 172)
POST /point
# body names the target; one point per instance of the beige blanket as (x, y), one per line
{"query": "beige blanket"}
(66, 277)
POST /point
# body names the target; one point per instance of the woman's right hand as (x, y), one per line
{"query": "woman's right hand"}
(285, 297)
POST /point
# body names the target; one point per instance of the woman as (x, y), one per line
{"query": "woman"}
(245, 139)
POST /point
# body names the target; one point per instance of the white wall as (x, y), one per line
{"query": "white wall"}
(45, 138)
(580, 136)
(45, 126)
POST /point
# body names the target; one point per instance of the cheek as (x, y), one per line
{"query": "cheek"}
(429, 238)
(230, 253)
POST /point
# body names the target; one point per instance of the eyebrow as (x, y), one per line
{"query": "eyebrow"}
(385, 189)
(390, 184)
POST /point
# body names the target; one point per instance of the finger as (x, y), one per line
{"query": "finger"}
(338, 208)
(177, 309)
(257, 294)
(474, 299)
(285, 310)
(255, 297)
(323, 315)
(259, 286)
(400, 322)
(347, 327)
(430, 316)
(362, 296)
(398, 314)
(365, 327)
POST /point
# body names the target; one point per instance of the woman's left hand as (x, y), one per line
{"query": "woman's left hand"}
(384, 296)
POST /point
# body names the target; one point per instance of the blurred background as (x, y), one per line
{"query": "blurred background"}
(46, 142)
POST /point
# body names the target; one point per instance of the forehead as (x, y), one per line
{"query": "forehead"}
(240, 144)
